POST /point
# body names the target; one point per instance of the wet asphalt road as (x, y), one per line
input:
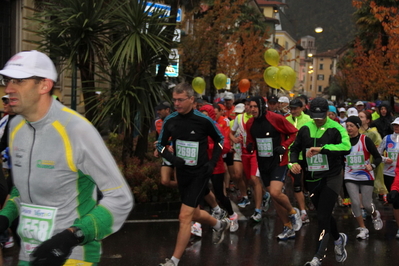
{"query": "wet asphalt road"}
(148, 238)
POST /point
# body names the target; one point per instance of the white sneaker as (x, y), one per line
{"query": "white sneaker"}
(234, 223)
(305, 218)
(314, 262)
(363, 233)
(296, 220)
(196, 229)
(339, 249)
(377, 222)
(287, 233)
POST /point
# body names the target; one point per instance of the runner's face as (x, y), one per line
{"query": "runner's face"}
(254, 108)
(183, 104)
(272, 106)
(320, 122)
(364, 119)
(383, 111)
(396, 129)
(247, 109)
(296, 111)
(353, 131)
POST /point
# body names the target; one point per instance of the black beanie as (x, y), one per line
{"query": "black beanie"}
(355, 120)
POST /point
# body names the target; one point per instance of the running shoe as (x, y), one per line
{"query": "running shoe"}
(219, 215)
(377, 222)
(234, 223)
(167, 262)
(243, 203)
(257, 216)
(314, 262)
(363, 233)
(339, 249)
(346, 202)
(218, 235)
(196, 229)
(296, 220)
(288, 233)
(9, 243)
(305, 218)
(266, 202)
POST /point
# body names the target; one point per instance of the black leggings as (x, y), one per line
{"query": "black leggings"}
(324, 194)
(218, 187)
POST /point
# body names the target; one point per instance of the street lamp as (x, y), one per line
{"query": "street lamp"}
(318, 30)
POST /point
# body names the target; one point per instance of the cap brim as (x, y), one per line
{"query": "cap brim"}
(318, 115)
(11, 73)
(295, 106)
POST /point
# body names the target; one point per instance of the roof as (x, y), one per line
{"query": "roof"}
(269, 3)
(329, 53)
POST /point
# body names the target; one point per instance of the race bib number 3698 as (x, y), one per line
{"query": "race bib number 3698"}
(36, 225)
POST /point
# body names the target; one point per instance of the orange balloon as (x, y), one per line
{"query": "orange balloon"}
(244, 85)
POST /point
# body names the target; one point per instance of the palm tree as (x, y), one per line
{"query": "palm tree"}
(75, 32)
(138, 43)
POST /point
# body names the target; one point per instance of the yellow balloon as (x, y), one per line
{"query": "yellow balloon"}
(286, 77)
(220, 81)
(272, 57)
(270, 77)
(199, 85)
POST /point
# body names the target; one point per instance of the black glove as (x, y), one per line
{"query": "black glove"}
(250, 147)
(279, 150)
(54, 251)
(4, 223)
(208, 168)
(392, 195)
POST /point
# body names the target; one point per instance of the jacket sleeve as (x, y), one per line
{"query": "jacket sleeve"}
(342, 148)
(286, 128)
(10, 209)
(296, 146)
(94, 161)
(373, 151)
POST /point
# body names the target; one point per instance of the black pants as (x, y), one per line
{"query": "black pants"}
(218, 187)
(324, 194)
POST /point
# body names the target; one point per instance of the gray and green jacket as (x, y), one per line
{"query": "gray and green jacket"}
(333, 139)
(60, 161)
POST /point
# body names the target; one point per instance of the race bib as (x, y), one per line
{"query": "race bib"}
(393, 154)
(237, 148)
(317, 162)
(36, 225)
(356, 160)
(265, 147)
(187, 150)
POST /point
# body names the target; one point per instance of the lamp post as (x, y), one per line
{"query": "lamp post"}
(318, 29)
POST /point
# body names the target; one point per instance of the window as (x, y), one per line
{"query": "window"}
(303, 44)
(319, 88)
(321, 66)
(5, 32)
(320, 77)
(310, 44)
(310, 87)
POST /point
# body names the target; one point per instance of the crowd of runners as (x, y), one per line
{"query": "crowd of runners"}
(335, 154)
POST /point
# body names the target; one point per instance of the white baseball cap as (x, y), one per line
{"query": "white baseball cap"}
(28, 64)
(352, 112)
(239, 108)
(283, 99)
(359, 103)
(228, 96)
(342, 109)
(396, 121)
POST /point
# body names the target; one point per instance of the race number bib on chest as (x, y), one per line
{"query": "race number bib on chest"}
(317, 162)
(356, 160)
(187, 150)
(265, 147)
(36, 225)
(393, 154)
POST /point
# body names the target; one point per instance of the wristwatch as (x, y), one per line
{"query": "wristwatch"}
(78, 233)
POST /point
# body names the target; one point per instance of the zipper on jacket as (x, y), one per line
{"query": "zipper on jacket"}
(30, 160)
